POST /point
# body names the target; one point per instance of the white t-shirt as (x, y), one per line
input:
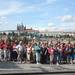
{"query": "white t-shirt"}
(28, 49)
(19, 47)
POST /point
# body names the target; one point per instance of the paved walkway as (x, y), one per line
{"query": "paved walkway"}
(7, 67)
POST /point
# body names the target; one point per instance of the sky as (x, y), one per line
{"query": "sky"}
(44, 15)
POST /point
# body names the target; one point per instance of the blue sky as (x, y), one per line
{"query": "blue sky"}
(49, 15)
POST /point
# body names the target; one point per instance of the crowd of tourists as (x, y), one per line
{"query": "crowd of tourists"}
(37, 52)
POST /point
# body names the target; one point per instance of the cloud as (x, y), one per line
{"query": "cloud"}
(67, 18)
(66, 10)
(67, 22)
(47, 2)
(63, 27)
(55, 28)
(68, 26)
(19, 7)
(3, 20)
(50, 24)
(44, 14)
(50, 1)
(51, 27)
(15, 6)
(12, 7)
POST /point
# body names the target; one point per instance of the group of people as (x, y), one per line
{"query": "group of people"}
(37, 52)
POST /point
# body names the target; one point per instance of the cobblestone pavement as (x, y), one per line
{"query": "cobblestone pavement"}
(11, 67)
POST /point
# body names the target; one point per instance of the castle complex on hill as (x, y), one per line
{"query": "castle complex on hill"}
(23, 29)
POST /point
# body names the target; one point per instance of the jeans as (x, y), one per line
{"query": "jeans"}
(37, 57)
(58, 57)
(70, 58)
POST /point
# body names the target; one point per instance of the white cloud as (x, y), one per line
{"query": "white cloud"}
(68, 26)
(3, 20)
(50, 1)
(55, 28)
(62, 27)
(66, 10)
(67, 18)
(67, 22)
(13, 7)
(50, 24)
(47, 2)
(18, 7)
(51, 27)
(44, 14)
(3, 17)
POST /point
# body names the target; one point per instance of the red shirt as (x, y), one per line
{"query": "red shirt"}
(4, 46)
(14, 46)
(0, 45)
(50, 50)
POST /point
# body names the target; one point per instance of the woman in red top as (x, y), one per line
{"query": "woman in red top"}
(51, 53)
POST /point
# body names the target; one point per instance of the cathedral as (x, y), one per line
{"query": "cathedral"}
(21, 27)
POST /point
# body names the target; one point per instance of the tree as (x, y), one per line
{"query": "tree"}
(13, 34)
(25, 40)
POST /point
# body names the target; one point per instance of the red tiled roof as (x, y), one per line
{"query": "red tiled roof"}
(29, 30)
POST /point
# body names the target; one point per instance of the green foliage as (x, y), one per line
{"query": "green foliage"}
(25, 40)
